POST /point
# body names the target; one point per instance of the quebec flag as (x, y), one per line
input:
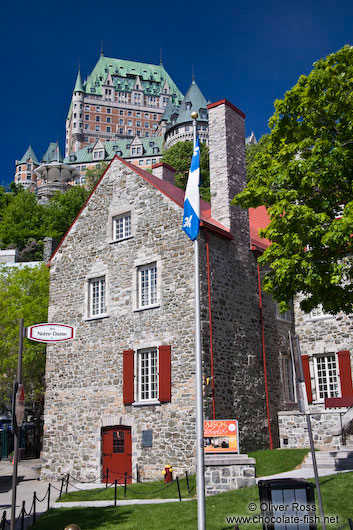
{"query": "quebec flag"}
(191, 219)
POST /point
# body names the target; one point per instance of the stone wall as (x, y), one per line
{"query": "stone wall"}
(228, 472)
(293, 430)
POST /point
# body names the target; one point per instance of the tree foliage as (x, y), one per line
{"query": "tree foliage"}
(93, 175)
(179, 157)
(24, 223)
(304, 176)
(252, 151)
(23, 294)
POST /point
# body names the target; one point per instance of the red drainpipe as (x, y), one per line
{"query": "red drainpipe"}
(264, 357)
(210, 319)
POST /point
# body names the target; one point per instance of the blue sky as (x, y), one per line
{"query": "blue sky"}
(249, 53)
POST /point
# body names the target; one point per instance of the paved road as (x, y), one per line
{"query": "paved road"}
(27, 483)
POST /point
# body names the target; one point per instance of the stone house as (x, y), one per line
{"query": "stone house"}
(123, 392)
(326, 342)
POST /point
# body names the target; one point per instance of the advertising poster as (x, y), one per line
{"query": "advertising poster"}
(221, 436)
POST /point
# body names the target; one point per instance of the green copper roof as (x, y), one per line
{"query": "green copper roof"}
(123, 72)
(117, 147)
(169, 110)
(78, 84)
(51, 154)
(29, 154)
(193, 101)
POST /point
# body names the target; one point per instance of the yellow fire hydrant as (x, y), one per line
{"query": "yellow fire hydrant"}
(168, 474)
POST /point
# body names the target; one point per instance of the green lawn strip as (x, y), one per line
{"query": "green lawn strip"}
(337, 493)
(147, 490)
(277, 461)
(154, 517)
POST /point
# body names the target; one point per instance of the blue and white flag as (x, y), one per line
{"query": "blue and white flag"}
(191, 219)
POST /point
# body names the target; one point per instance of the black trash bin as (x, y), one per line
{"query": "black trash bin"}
(288, 504)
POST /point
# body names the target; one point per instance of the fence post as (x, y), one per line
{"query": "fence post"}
(125, 481)
(34, 507)
(23, 511)
(61, 487)
(115, 488)
(187, 482)
(350, 522)
(177, 480)
(49, 486)
(137, 473)
(3, 520)
(67, 482)
(106, 479)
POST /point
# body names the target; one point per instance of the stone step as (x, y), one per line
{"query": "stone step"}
(334, 466)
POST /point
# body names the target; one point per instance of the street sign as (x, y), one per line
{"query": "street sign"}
(50, 332)
(20, 405)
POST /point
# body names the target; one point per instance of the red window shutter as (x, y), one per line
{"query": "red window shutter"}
(344, 363)
(128, 377)
(165, 378)
(306, 370)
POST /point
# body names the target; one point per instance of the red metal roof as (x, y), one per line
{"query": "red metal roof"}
(258, 217)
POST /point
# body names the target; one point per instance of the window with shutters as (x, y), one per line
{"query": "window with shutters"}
(147, 375)
(326, 376)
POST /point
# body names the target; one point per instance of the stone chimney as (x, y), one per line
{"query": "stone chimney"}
(228, 167)
(164, 172)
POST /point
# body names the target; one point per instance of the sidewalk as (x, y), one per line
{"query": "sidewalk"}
(27, 483)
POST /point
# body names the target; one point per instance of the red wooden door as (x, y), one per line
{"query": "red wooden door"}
(117, 452)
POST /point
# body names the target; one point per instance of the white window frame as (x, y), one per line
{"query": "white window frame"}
(148, 275)
(330, 394)
(102, 297)
(126, 220)
(318, 314)
(151, 394)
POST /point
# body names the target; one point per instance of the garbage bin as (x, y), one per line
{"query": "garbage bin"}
(287, 504)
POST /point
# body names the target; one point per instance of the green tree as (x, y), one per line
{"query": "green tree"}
(23, 225)
(304, 176)
(93, 174)
(23, 294)
(62, 210)
(252, 150)
(179, 157)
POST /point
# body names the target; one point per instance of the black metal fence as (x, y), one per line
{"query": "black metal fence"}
(67, 481)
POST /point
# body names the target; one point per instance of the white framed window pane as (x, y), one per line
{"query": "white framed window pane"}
(97, 296)
(148, 285)
(122, 226)
(326, 376)
(148, 375)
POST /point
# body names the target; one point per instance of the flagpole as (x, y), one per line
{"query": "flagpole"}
(200, 475)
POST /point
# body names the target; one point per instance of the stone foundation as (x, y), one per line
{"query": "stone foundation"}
(225, 472)
(293, 430)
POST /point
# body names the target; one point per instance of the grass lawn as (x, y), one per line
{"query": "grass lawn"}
(147, 490)
(277, 461)
(337, 492)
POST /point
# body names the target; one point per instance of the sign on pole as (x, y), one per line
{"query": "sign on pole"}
(48, 332)
(221, 436)
(20, 405)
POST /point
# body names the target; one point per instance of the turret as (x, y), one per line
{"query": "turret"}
(77, 113)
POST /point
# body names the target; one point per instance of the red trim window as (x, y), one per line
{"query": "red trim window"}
(150, 382)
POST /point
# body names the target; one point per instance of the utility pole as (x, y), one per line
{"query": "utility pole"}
(15, 427)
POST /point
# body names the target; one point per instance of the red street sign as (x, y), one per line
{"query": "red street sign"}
(50, 332)
(20, 405)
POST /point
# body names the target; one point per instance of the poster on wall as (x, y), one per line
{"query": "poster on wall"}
(221, 436)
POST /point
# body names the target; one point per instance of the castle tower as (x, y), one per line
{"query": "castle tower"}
(77, 114)
(25, 167)
(178, 122)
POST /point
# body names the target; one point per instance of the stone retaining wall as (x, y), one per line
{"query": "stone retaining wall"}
(293, 430)
(228, 472)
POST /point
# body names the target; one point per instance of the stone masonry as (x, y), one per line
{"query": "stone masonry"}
(84, 382)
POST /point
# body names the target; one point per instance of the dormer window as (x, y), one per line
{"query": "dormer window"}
(188, 105)
(98, 154)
